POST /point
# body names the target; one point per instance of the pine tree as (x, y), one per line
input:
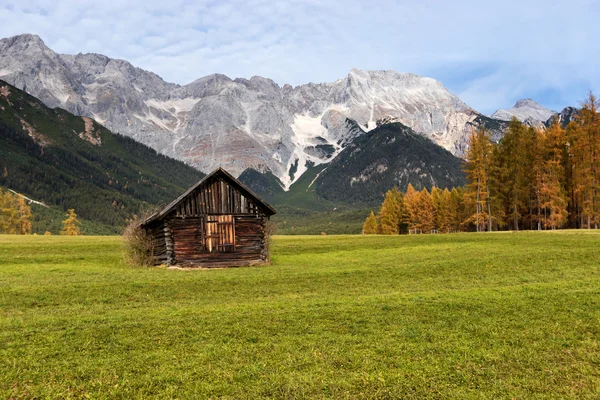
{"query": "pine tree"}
(370, 226)
(390, 214)
(71, 224)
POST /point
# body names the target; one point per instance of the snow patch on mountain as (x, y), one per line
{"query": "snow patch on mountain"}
(307, 129)
(309, 133)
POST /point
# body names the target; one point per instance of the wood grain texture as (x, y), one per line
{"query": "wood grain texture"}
(214, 226)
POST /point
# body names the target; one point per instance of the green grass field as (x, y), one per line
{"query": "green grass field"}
(506, 315)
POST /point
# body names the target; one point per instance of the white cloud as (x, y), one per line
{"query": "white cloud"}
(536, 47)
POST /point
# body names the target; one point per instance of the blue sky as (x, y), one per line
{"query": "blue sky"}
(488, 53)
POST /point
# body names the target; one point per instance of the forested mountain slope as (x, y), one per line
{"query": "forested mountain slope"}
(392, 154)
(67, 161)
(335, 197)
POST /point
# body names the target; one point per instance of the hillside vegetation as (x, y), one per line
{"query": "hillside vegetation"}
(491, 315)
(67, 161)
(336, 197)
(390, 155)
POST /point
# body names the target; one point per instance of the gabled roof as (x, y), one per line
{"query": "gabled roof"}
(217, 172)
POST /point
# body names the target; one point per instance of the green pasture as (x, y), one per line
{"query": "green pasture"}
(480, 316)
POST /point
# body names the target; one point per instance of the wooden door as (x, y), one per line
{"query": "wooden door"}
(220, 234)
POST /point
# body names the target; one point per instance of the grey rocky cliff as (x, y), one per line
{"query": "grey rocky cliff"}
(217, 121)
(525, 110)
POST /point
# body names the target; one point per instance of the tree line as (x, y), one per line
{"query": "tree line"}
(416, 211)
(533, 178)
(16, 217)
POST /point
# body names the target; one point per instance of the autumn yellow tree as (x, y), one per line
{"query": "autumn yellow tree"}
(9, 213)
(411, 207)
(458, 209)
(446, 212)
(24, 217)
(425, 212)
(437, 197)
(477, 169)
(514, 158)
(71, 224)
(390, 214)
(370, 225)
(537, 160)
(585, 148)
(554, 199)
(531, 179)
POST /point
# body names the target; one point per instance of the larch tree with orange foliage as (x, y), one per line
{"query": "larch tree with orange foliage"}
(477, 169)
(585, 145)
(425, 212)
(370, 225)
(24, 217)
(71, 224)
(554, 199)
(390, 214)
(15, 214)
(411, 207)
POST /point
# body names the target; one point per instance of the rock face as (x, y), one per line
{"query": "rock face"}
(567, 115)
(525, 110)
(217, 121)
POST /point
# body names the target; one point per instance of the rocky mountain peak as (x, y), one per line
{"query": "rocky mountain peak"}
(239, 123)
(567, 115)
(23, 47)
(523, 103)
(525, 110)
(22, 42)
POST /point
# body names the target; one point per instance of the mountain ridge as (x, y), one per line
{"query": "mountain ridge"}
(68, 161)
(237, 123)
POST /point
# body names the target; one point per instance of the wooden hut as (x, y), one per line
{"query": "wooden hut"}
(218, 222)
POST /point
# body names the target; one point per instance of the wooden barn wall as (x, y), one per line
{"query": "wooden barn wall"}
(189, 247)
(159, 242)
(216, 196)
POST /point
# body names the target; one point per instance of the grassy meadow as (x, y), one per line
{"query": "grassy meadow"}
(500, 315)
